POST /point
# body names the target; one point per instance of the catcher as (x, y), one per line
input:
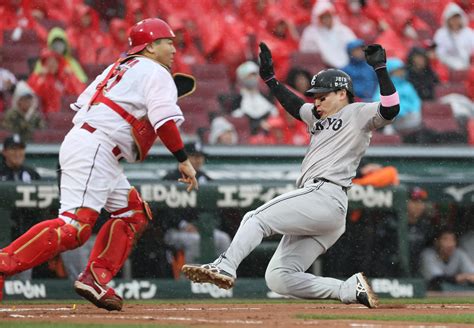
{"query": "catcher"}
(119, 116)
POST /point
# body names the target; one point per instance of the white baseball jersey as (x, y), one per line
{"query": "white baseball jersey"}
(143, 88)
(338, 142)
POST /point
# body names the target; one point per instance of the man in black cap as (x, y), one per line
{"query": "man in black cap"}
(197, 157)
(12, 168)
(180, 232)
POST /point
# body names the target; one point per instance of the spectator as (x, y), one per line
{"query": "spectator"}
(12, 168)
(118, 42)
(405, 32)
(180, 231)
(409, 119)
(85, 35)
(252, 103)
(281, 35)
(58, 42)
(376, 175)
(327, 35)
(187, 53)
(420, 227)
(7, 84)
(353, 14)
(53, 80)
(420, 73)
(299, 79)
(7, 80)
(445, 262)
(470, 83)
(438, 67)
(23, 117)
(455, 39)
(363, 76)
(222, 132)
(466, 242)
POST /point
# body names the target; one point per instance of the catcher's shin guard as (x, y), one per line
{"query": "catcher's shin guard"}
(45, 240)
(116, 238)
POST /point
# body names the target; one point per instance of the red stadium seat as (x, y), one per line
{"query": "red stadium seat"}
(49, 136)
(378, 138)
(209, 89)
(60, 120)
(310, 61)
(210, 72)
(27, 37)
(242, 126)
(458, 76)
(439, 117)
(92, 70)
(448, 88)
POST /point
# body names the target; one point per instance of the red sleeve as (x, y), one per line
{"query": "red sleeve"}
(170, 136)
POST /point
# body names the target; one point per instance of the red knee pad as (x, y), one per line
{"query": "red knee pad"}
(77, 233)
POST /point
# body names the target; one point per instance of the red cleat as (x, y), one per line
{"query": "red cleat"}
(101, 296)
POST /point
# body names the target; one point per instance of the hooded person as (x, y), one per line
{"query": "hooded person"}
(85, 35)
(420, 73)
(222, 132)
(252, 102)
(23, 117)
(455, 39)
(118, 42)
(327, 36)
(401, 35)
(363, 76)
(409, 118)
(53, 80)
(281, 35)
(58, 42)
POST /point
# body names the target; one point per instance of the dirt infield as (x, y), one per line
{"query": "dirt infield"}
(227, 315)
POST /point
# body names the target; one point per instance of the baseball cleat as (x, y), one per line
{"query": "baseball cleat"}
(364, 293)
(101, 296)
(208, 273)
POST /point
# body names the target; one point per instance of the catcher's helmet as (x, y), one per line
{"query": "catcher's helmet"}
(330, 80)
(146, 31)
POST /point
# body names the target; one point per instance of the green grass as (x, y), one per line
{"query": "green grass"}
(438, 318)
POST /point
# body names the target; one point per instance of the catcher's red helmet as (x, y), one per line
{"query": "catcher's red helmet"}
(146, 31)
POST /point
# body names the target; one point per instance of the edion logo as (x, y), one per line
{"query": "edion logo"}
(392, 287)
(371, 197)
(25, 288)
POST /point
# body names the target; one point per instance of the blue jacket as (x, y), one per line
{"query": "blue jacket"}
(363, 76)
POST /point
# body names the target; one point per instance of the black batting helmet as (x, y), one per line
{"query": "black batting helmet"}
(330, 80)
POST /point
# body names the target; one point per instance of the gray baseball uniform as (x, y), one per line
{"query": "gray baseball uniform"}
(312, 217)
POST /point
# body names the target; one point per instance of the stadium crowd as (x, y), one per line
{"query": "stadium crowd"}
(50, 49)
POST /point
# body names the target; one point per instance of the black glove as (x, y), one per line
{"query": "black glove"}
(375, 55)
(266, 62)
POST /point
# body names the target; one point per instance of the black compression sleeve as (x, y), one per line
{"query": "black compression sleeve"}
(386, 89)
(290, 102)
